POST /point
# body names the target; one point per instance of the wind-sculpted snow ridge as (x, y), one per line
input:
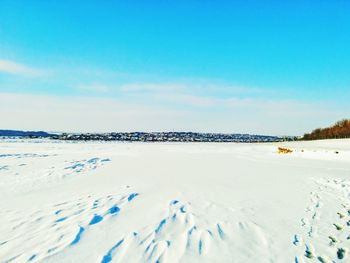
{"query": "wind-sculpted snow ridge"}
(181, 235)
(46, 232)
(326, 227)
(83, 165)
(23, 155)
(17, 172)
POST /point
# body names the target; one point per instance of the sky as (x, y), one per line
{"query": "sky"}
(262, 67)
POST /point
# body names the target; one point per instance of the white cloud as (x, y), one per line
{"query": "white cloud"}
(202, 94)
(11, 67)
(183, 93)
(54, 113)
(153, 87)
(98, 88)
(186, 99)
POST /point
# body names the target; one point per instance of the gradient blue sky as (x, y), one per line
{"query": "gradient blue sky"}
(270, 67)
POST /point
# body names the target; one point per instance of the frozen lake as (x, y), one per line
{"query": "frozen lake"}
(174, 202)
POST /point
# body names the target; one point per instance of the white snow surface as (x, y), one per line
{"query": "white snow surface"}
(174, 202)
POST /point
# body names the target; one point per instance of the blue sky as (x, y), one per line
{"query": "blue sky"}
(271, 67)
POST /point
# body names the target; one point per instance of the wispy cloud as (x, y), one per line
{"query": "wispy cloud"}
(188, 87)
(202, 95)
(23, 111)
(96, 88)
(186, 99)
(196, 95)
(154, 87)
(14, 68)
(189, 94)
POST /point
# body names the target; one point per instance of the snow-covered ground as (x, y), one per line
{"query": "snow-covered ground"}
(189, 202)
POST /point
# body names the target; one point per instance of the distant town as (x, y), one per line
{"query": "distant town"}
(146, 136)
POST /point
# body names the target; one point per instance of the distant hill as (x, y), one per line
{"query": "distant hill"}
(146, 136)
(339, 130)
(14, 133)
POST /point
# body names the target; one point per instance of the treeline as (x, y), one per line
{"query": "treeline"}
(339, 130)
